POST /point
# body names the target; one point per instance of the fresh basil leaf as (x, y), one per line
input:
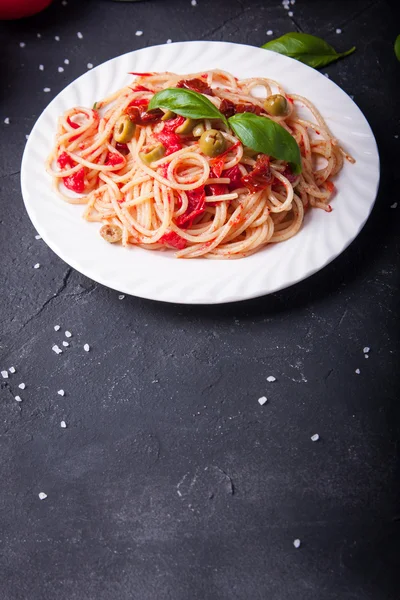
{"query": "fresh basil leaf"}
(186, 103)
(308, 49)
(94, 106)
(264, 135)
(397, 47)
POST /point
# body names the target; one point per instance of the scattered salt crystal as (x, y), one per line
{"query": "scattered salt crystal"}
(22, 44)
(61, 393)
(262, 400)
(271, 378)
(18, 398)
(366, 355)
(4, 374)
(57, 38)
(68, 334)
(139, 33)
(292, 1)
(80, 36)
(65, 344)
(56, 349)
(27, 137)
(41, 67)
(46, 90)
(7, 120)
(169, 41)
(358, 371)
(63, 425)
(39, 35)
(396, 137)
(22, 386)
(86, 347)
(57, 327)
(338, 30)
(315, 437)
(61, 69)
(64, 2)
(194, 3)
(121, 296)
(66, 61)
(37, 237)
(296, 543)
(12, 369)
(42, 496)
(270, 32)
(394, 205)
(37, 266)
(366, 349)
(326, 75)
(290, 13)
(89, 66)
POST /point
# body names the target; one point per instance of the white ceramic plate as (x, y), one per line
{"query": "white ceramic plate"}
(160, 276)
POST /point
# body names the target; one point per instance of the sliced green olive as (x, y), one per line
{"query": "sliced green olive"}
(124, 130)
(154, 154)
(168, 115)
(198, 130)
(277, 105)
(186, 127)
(212, 143)
(111, 233)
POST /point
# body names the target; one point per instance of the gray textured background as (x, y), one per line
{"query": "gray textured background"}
(170, 481)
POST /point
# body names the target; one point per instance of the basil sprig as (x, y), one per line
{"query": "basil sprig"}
(186, 103)
(264, 135)
(397, 47)
(308, 49)
(258, 133)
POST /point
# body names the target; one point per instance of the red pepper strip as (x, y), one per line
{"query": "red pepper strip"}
(196, 85)
(196, 206)
(235, 176)
(290, 99)
(171, 141)
(163, 171)
(215, 189)
(330, 186)
(218, 163)
(113, 159)
(139, 102)
(174, 240)
(140, 88)
(122, 148)
(139, 115)
(172, 124)
(290, 176)
(76, 181)
(74, 126)
(140, 74)
(260, 176)
(64, 160)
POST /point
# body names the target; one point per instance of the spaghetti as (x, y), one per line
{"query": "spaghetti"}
(224, 206)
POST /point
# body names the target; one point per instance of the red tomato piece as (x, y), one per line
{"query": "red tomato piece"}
(235, 176)
(64, 161)
(172, 124)
(17, 9)
(260, 176)
(288, 173)
(113, 159)
(173, 239)
(76, 181)
(196, 206)
(171, 141)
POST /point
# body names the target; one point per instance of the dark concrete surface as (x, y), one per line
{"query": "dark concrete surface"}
(170, 480)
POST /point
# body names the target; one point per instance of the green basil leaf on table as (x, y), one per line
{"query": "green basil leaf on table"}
(397, 47)
(308, 49)
(264, 135)
(186, 103)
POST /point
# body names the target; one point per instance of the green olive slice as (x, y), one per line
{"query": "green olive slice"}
(124, 130)
(198, 130)
(186, 127)
(155, 154)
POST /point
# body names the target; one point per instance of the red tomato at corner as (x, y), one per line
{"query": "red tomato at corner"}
(16, 9)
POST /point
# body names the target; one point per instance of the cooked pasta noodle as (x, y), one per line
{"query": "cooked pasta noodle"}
(202, 206)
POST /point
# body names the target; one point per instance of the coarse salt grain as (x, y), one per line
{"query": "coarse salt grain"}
(396, 137)
(86, 347)
(42, 496)
(338, 30)
(4, 374)
(121, 296)
(139, 33)
(326, 75)
(292, 1)
(22, 386)
(271, 378)
(41, 67)
(64, 2)
(27, 137)
(366, 349)
(65, 344)
(61, 393)
(12, 369)
(296, 543)
(394, 205)
(270, 32)
(66, 61)
(37, 237)
(22, 44)
(57, 327)
(68, 334)
(63, 425)
(169, 41)
(39, 35)
(193, 2)
(37, 266)
(18, 398)
(358, 371)
(60, 69)
(290, 13)
(315, 437)
(57, 38)
(262, 400)
(46, 90)
(80, 36)
(7, 120)
(56, 349)
(89, 66)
